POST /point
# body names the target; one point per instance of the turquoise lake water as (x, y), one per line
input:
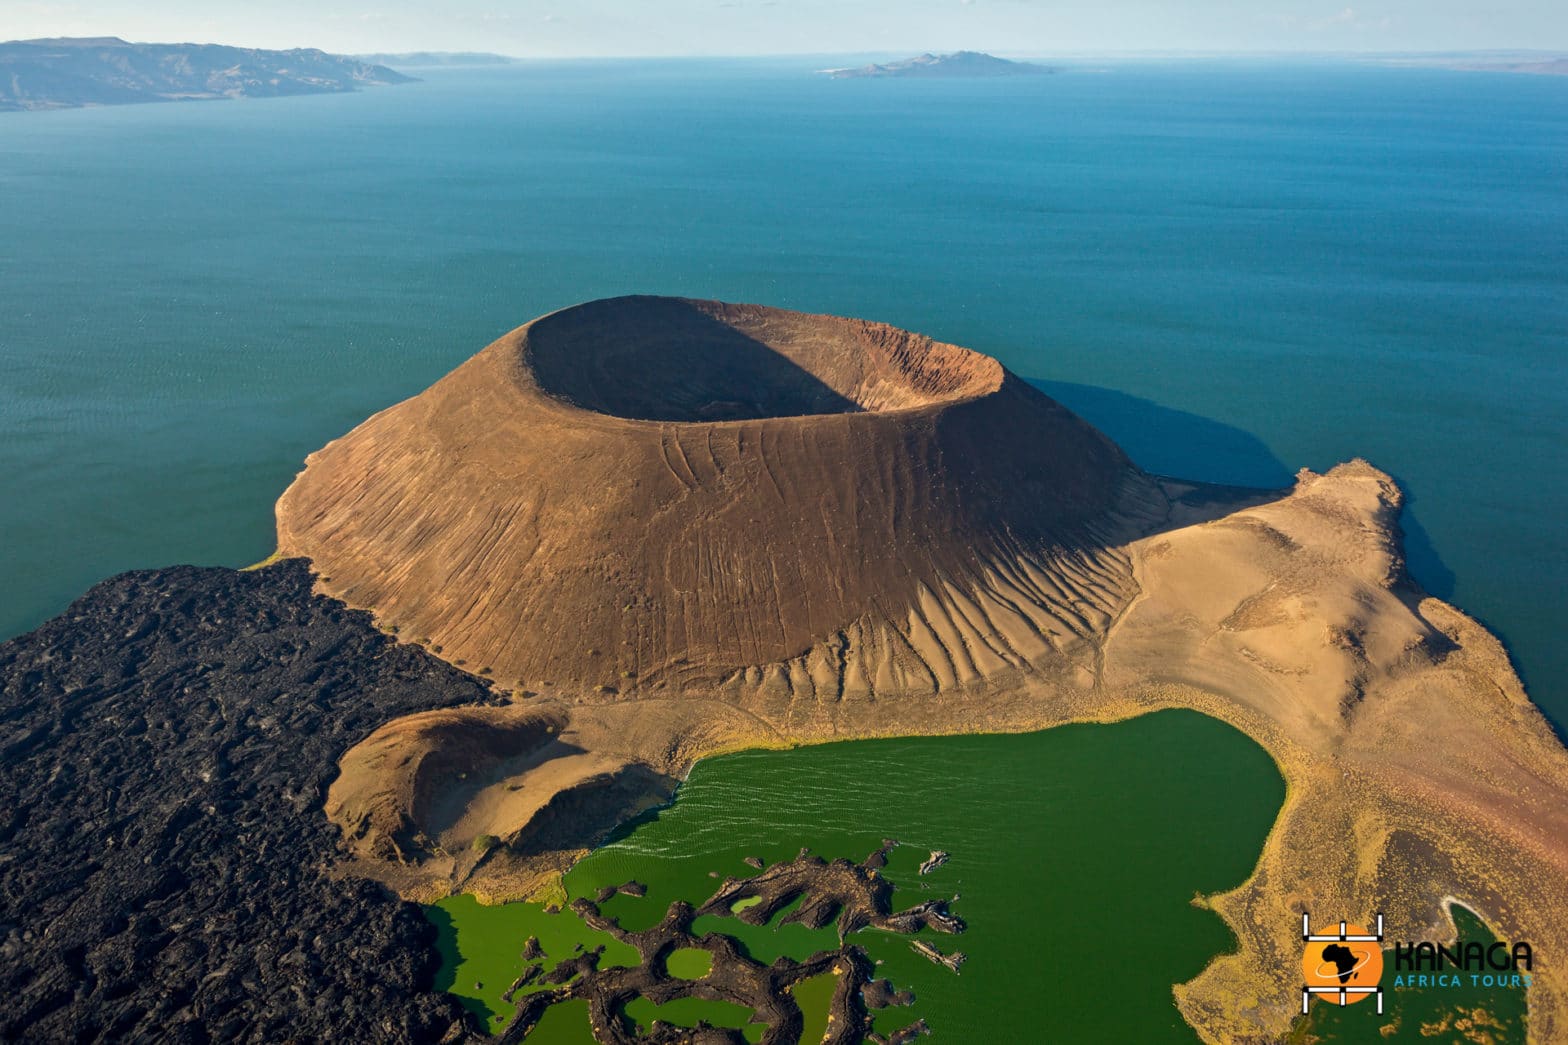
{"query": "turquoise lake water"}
(1235, 269)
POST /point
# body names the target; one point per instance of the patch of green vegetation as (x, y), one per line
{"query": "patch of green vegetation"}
(276, 556)
(552, 894)
(485, 843)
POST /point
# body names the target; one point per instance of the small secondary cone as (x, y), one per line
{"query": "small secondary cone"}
(644, 494)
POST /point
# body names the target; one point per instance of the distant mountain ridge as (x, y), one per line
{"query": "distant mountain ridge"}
(72, 72)
(959, 63)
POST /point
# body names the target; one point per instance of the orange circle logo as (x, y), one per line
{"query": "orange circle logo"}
(1342, 971)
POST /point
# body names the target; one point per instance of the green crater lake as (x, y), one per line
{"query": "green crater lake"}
(1076, 853)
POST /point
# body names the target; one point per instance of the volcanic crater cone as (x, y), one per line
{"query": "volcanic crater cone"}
(689, 527)
(647, 495)
(668, 529)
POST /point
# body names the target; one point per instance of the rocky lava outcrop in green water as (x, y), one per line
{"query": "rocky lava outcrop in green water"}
(855, 895)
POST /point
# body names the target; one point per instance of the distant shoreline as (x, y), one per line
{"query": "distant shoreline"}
(1557, 66)
(74, 73)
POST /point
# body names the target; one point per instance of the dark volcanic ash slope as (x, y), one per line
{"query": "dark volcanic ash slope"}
(165, 746)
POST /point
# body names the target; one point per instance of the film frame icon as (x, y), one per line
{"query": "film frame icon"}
(1342, 993)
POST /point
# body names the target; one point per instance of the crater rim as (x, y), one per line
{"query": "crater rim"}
(648, 359)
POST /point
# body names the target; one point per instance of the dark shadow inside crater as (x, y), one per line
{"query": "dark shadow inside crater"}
(661, 359)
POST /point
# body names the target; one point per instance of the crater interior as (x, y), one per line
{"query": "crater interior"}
(671, 359)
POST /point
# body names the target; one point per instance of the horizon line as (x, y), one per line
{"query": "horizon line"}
(1188, 52)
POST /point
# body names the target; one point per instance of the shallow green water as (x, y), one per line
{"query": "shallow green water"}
(1076, 851)
(814, 996)
(687, 1012)
(689, 963)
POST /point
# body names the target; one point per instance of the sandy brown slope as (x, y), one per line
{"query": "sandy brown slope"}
(648, 494)
(1417, 769)
(958, 554)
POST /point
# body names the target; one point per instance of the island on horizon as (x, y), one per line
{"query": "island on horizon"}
(434, 59)
(73, 72)
(931, 66)
(1532, 63)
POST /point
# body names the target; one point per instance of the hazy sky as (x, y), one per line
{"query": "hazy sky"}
(735, 27)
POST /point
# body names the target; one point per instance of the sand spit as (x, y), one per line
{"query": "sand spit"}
(723, 553)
